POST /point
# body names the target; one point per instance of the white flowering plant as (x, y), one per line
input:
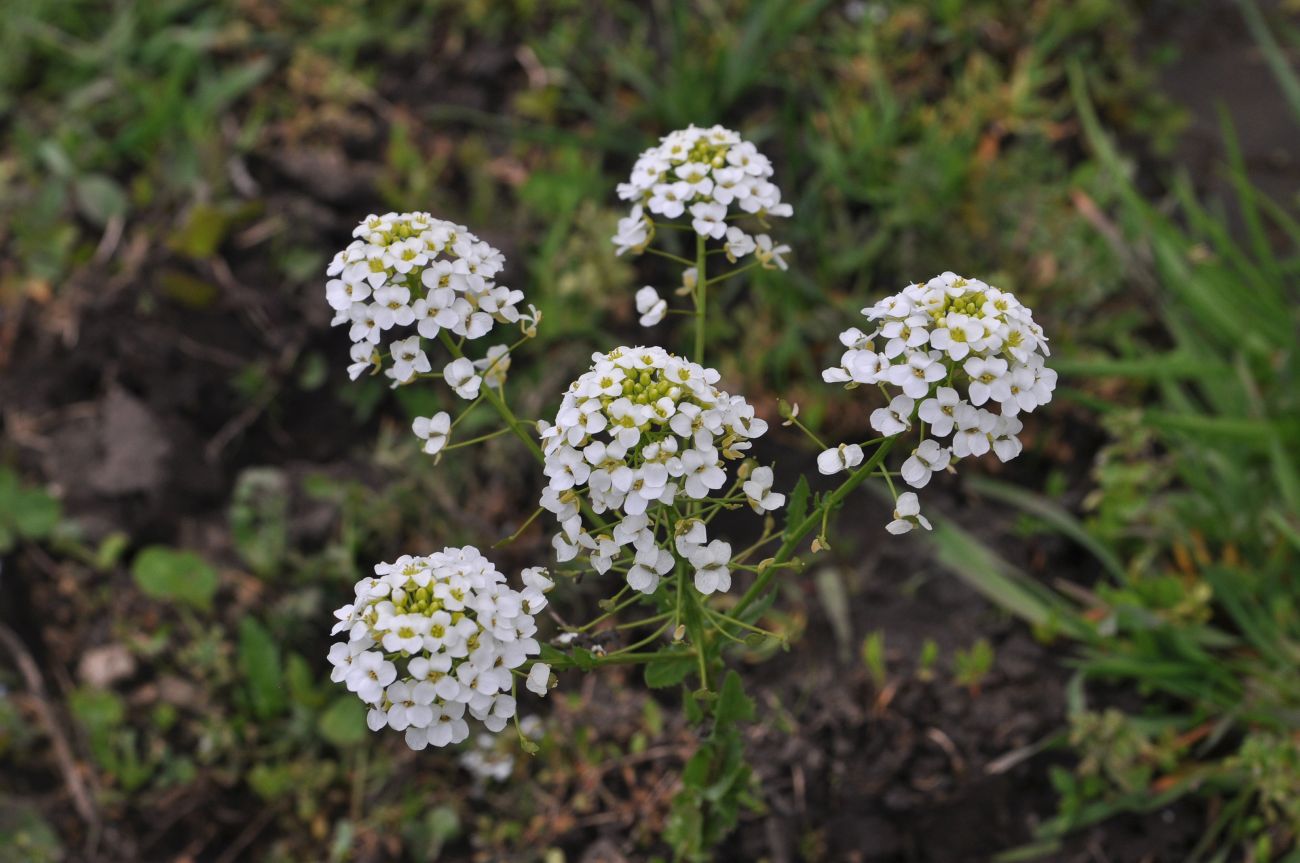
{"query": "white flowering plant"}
(644, 450)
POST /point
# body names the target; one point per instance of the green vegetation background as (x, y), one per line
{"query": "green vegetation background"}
(171, 161)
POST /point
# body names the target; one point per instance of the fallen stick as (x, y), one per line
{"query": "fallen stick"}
(82, 799)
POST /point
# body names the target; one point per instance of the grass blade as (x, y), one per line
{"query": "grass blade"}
(1056, 516)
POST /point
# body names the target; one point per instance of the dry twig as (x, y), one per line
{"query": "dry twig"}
(82, 798)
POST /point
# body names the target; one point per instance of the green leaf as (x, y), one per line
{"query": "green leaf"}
(25, 513)
(55, 159)
(1055, 515)
(796, 509)
(552, 655)
(834, 598)
(1274, 54)
(99, 198)
(202, 233)
(1172, 365)
(425, 837)
(167, 574)
(733, 704)
(259, 518)
(25, 837)
(98, 710)
(668, 670)
(187, 289)
(300, 682)
(344, 722)
(583, 659)
(272, 781)
(696, 772)
(259, 660)
(35, 514)
(1242, 430)
(999, 581)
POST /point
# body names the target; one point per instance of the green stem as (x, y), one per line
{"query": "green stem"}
(764, 540)
(735, 272)
(889, 482)
(512, 537)
(645, 621)
(516, 425)
(669, 255)
(498, 401)
(695, 631)
(466, 412)
(614, 607)
(701, 297)
(677, 609)
(794, 421)
(811, 521)
(474, 440)
(618, 659)
(649, 639)
(726, 618)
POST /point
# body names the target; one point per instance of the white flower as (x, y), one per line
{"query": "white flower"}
(926, 459)
(938, 411)
(408, 360)
(975, 333)
(410, 704)
(412, 270)
(702, 473)
(842, 457)
(641, 431)
(461, 376)
(769, 254)
(363, 354)
(758, 488)
(536, 578)
(895, 419)
(711, 564)
(738, 244)
(710, 175)
(709, 219)
(959, 334)
(539, 678)
(955, 344)
(528, 323)
(487, 763)
(434, 639)
(405, 633)
(1006, 443)
(651, 563)
(974, 426)
(650, 306)
(915, 375)
(985, 373)
(433, 430)
(907, 514)
(633, 232)
(369, 675)
(494, 366)
(669, 199)
(691, 534)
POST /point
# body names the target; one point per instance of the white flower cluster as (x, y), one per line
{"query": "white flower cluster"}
(952, 346)
(412, 270)
(643, 428)
(709, 175)
(487, 760)
(431, 639)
